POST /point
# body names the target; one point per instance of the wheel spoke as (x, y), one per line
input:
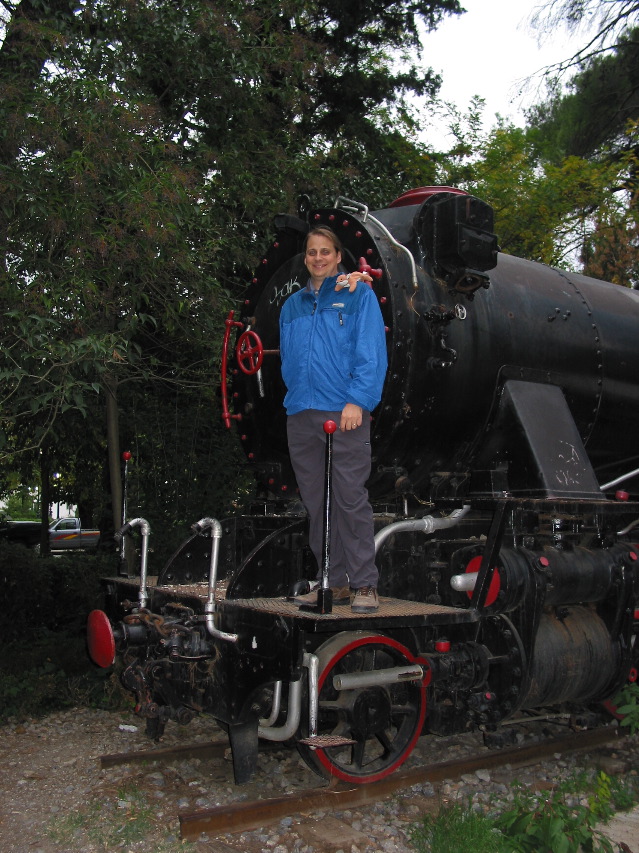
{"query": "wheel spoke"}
(386, 742)
(368, 660)
(402, 710)
(358, 750)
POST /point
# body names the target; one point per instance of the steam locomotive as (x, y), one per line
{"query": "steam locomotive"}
(505, 489)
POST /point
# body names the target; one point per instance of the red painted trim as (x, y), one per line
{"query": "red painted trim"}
(100, 639)
(420, 194)
(226, 414)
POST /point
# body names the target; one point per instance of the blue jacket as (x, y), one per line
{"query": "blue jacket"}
(333, 348)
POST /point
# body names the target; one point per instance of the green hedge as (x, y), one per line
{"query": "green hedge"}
(45, 604)
(48, 593)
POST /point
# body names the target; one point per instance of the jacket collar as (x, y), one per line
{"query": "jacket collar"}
(327, 285)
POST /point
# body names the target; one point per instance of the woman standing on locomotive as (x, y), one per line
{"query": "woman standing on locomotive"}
(333, 352)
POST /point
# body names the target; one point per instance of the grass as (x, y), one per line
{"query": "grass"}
(114, 824)
(459, 828)
(562, 821)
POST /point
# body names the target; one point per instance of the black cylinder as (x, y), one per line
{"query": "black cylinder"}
(573, 661)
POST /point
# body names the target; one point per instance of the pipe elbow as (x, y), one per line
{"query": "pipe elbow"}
(208, 523)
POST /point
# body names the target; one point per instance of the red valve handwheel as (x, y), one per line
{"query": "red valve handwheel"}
(249, 352)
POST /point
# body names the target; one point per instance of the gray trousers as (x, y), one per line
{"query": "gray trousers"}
(352, 547)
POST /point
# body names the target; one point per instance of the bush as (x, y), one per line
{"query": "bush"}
(53, 674)
(48, 593)
(45, 665)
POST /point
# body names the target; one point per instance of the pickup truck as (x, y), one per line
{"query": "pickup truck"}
(68, 533)
(64, 534)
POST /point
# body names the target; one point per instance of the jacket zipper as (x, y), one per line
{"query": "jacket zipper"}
(310, 372)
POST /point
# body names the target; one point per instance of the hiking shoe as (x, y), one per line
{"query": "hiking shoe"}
(341, 595)
(365, 600)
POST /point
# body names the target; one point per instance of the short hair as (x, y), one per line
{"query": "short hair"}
(328, 233)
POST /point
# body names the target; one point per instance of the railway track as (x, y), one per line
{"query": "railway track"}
(249, 815)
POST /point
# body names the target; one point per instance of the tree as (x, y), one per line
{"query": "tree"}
(611, 251)
(594, 117)
(147, 145)
(544, 210)
(602, 98)
(602, 22)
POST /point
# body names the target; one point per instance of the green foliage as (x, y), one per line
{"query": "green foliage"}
(554, 212)
(27, 593)
(627, 705)
(563, 821)
(145, 147)
(47, 594)
(60, 679)
(185, 465)
(22, 505)
(45, 665)
(602, 99)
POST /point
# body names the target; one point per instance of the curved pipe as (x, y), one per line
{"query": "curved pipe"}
(215, 527)
(619, 480)
(289, 728)
(227, 417)
(275, 710)
(362, 210)
(425, 525)
(282, 733)
(627, 529)
(145, 530)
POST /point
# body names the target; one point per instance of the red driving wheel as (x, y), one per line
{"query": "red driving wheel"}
(381, 723)
(249, 352)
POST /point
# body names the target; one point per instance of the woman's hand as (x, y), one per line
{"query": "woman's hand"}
(350, 280)
(351, 417)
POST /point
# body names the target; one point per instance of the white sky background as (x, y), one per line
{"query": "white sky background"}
(490, 51)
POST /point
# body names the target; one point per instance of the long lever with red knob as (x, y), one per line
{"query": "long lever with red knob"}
(325, 593)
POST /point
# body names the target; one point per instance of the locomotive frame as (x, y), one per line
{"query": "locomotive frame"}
(509, 572)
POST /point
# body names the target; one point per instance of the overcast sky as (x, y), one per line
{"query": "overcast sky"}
(489, 51)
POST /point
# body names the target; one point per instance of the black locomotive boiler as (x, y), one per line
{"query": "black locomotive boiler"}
(505, 487)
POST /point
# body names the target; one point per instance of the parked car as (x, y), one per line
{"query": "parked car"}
(64, 534)
(24, 532)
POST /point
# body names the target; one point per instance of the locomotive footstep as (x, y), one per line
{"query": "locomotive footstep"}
(326, 741)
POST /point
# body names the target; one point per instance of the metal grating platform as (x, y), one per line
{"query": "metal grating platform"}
(399, 610)
(388, 607)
